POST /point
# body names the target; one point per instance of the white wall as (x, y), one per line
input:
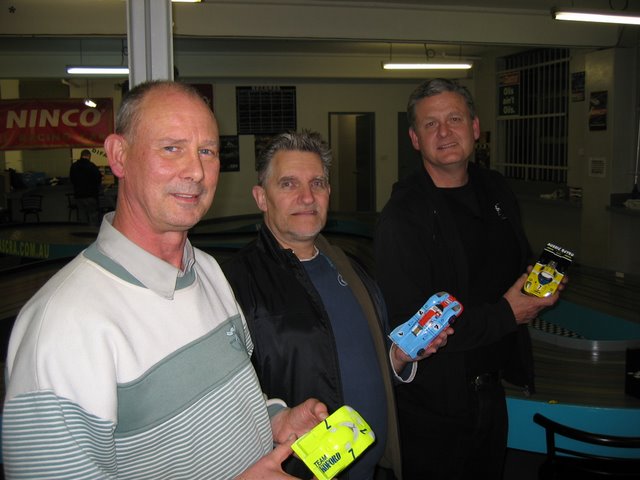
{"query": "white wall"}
(607, 70)
(314, 102)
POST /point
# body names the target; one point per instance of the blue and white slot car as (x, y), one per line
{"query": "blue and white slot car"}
(415, 335)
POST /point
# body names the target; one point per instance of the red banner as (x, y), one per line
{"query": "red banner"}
(50, 123)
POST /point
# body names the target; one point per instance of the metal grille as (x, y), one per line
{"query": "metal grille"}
(533, 113)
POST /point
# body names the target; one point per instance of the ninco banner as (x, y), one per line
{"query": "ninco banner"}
(50, 123)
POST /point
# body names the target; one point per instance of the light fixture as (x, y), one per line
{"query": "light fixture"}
(81, 69)
(426, 66)
(597, 16)
(98, 70)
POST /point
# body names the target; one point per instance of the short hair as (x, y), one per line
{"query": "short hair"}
(304, 141)
(434, 87)
(129, 111)
(85, 153)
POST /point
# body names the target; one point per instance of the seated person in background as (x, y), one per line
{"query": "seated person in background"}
(133, 361)
(86, 180)
(317, 320)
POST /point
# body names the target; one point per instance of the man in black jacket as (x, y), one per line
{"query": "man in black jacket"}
(453, 226)
(317, 320)
(86, 179)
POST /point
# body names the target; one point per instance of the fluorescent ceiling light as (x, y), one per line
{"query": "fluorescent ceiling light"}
(597, 16)
(98, 70)
(426, 66)
(90, 103)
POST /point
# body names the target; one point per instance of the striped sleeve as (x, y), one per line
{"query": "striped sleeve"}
(44, 436)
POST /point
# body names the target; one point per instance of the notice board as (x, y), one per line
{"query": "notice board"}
(266, 110)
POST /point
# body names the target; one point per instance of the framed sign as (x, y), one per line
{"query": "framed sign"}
(577, 86)
(261, 142)
(206, 91)
(598, 111)
(229, 153)
(509, 94)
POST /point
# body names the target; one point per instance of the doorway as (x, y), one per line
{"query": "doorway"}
(409, 159)
(353, 182)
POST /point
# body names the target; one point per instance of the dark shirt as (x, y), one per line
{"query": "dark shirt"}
(361, 378)
(85, 178)
(422, 242)
(298, 350)
(467, 241)
(492, 253)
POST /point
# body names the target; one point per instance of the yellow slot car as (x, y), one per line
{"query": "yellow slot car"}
(332, 445)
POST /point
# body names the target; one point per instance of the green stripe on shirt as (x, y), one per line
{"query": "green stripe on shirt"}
(180, 379)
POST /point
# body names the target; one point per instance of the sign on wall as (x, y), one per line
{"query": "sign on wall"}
(509, 93)
(50, 123)
(577, 86)
(267, 110)
(229, 153)
(598, 111)
(206, 91)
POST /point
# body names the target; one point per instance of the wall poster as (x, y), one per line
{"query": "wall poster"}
(598, 111)
(229, 153)
(577, 86)
(261, 142)
(509, 94)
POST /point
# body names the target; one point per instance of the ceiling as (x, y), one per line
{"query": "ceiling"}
(37, 35)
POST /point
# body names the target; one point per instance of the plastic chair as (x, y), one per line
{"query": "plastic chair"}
(564, 462)
(72, 206)
(31, 204)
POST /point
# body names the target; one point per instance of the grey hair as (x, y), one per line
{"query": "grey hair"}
(434, 87)
(129, 112)
(304, 141)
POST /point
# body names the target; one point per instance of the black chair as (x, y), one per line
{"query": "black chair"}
(72, 206)
(573, 463)
(31, 204)
(5, 215)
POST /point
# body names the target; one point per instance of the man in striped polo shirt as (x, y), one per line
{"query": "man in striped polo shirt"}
(132, 362)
